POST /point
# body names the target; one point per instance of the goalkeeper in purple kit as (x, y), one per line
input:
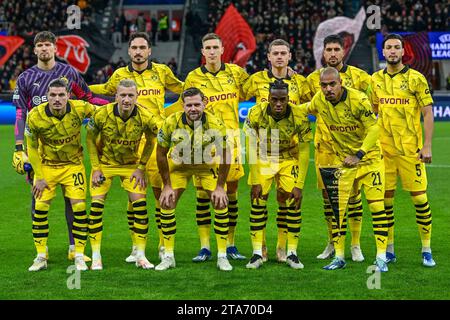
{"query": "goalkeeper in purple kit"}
(31, 91)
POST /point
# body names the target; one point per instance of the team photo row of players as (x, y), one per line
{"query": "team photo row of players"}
(368, 131)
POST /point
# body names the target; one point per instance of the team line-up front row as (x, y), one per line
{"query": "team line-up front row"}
(369, 136)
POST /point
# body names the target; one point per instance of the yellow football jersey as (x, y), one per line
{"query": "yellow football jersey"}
(400, 98)
(222, 91)
(260, 122)
(119, 140)
(151, 84)
(347, 122)
(351, 77)
(192, 145)
(257, 86)
(58, 139)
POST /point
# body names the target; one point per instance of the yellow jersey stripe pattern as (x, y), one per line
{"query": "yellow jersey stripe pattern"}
(400, 98)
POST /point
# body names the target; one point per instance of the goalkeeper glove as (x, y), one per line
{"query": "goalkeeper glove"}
(19, 159)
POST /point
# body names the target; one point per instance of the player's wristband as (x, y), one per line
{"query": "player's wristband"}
(19, 147)
(360, 154)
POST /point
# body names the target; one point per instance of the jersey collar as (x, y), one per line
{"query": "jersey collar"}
(270, 75)
(404, 70)
(344, 68)
(205, 71)
(50, 114)
(343, 97)
(288, 112)
(184, 119)
(117, 114)
(131, 69)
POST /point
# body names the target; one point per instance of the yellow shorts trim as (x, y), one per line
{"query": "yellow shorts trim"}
(109, 173)
(72, 178)
(412, 173)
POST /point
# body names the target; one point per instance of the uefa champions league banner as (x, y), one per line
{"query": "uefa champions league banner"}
(439, 43)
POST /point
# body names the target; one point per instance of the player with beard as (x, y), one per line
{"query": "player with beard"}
(352, 77)
(31, 91)
(152, 80)
(400, 96)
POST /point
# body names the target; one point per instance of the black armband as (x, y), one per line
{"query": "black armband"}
(360, 154)
(19, 147)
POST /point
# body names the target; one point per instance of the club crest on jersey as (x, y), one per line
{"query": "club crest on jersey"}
(73, 49)
(404, 85)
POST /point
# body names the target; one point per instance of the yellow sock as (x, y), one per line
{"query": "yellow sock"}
(389, 209)
(282, 226)
(130, 217)
(140, 223)
(380, 226)
(423, 218)
(203, 218)
(96, 224)
(233, 216)
(257, 223)
(40, 226)
(355, 213)
(80, 226)
(328, 212)
(169, 228)
(221, 230)
(339, 234)
(294, 224)
(158, 223)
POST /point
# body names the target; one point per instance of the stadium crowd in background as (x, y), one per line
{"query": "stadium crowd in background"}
(296, 22)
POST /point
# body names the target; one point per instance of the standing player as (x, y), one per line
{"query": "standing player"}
(277, 158)
(152, 80)
(221, 84)
(184, 141)
(354, 132)
(352, 77)
(53, 132)
(114, 135)
(257, 86)
(400, 96)
(31, 91)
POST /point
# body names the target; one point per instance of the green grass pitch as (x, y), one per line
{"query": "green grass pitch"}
(406, 279)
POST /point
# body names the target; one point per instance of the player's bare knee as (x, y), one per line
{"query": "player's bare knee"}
(282, 196)
(232, 187)
(389, 193)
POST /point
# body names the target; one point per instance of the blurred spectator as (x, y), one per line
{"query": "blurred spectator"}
(154, 23)
(117, 32)
(140, 22)
(173, 65)
(163, 27)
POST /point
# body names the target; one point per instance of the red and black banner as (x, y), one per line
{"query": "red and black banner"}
(86, 49)
(418, 53)
(237, 37)
(8, 45)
